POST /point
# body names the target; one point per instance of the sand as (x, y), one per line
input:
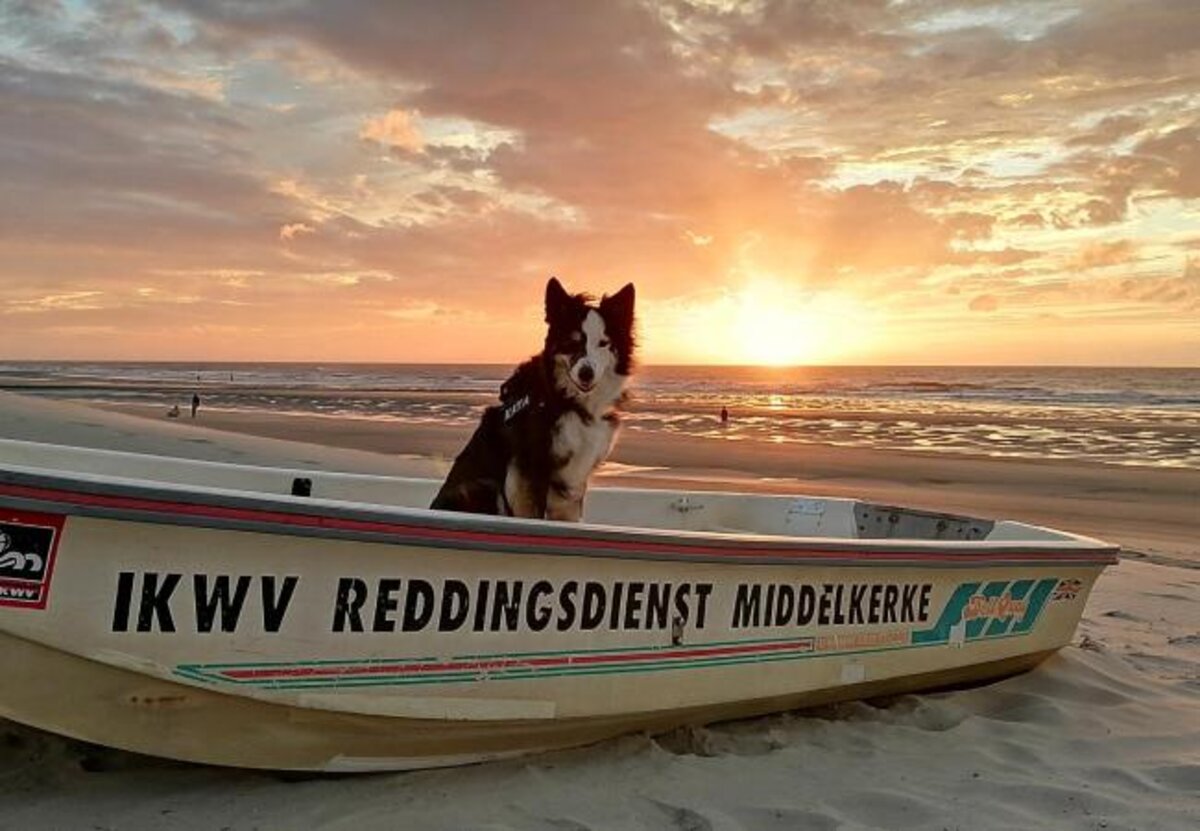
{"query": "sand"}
(1105, 735)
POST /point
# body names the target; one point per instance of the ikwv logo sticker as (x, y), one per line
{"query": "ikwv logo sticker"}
(28, 542)
(15, 562)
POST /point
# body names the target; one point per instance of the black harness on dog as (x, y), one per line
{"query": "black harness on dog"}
(519, 428)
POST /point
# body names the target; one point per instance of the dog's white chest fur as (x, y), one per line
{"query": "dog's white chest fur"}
(582, 445)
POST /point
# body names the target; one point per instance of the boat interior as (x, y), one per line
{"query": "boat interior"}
(672, 510)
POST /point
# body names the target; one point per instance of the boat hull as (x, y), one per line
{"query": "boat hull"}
(127, 710)
(263, 632)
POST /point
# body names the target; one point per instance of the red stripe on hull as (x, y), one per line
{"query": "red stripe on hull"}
(510, 663)
(535, 544)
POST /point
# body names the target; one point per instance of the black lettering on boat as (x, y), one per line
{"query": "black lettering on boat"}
(456, 603)
(385, 603)
(681, 603)
(418, 605)
(874, 604)
(891, 594)
(351, 595)
(594, 601)
(633, 605)
(275, 605)
(747, 606)
(120, 619)
(508, 604)
(208, 604)
(908, 597)
(566, 599)
(156, 602)
(615, 616)
(703, 590)
(785, 600)
(537, 613)
(807, 605)
(657, 600)
(824, 607)
(481, 604)
(858, 593)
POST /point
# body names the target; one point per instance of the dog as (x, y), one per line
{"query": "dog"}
(533, 453)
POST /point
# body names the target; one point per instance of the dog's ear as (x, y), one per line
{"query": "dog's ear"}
(556, 298)
(619, 307)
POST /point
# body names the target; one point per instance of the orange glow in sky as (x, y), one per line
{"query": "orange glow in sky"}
(786, 183)
(766, 322)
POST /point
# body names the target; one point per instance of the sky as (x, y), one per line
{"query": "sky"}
(825, 182)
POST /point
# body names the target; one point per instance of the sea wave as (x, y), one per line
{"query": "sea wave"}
(1111, 416)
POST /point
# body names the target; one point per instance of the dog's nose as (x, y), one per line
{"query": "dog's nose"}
(586, 373)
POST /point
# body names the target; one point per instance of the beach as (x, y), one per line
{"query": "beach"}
(1103, 735)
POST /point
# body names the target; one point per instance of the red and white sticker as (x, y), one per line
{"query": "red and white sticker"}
(28, 543)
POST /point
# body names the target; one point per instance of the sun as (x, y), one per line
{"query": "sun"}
(776, 325)
(766, 321)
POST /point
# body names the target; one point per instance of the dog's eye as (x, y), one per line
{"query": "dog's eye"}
(604, 342)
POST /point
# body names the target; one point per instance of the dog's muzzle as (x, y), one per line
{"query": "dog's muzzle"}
(584, 376)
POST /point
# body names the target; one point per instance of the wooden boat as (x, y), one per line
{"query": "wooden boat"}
(285, 619)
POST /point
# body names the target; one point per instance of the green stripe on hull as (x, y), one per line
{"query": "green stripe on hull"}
(1033, 594)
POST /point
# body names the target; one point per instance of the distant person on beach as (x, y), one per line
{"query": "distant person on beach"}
(195, 403)
(724, 415)
(173, 412)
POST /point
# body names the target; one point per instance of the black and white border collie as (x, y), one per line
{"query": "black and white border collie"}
(533, 453)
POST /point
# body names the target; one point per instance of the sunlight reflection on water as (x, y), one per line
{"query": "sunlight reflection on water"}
(1125, 417)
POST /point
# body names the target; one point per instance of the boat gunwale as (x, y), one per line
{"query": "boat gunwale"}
(100, 496)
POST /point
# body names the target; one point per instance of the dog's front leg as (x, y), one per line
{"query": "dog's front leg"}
(521, 495)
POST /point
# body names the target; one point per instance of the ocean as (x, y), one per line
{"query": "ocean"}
(1133, 417)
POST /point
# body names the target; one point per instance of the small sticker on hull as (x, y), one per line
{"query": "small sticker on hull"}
(1068, 589)
(28, 542)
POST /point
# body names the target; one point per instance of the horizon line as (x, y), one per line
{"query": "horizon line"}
(781, 367)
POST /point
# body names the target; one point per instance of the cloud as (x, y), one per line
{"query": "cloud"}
(1104, 254)
(396, 128)
(73, 300)
(293, 229)
(1173, 160)
(1181, 290)
(1110, 130)
(984, 303)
